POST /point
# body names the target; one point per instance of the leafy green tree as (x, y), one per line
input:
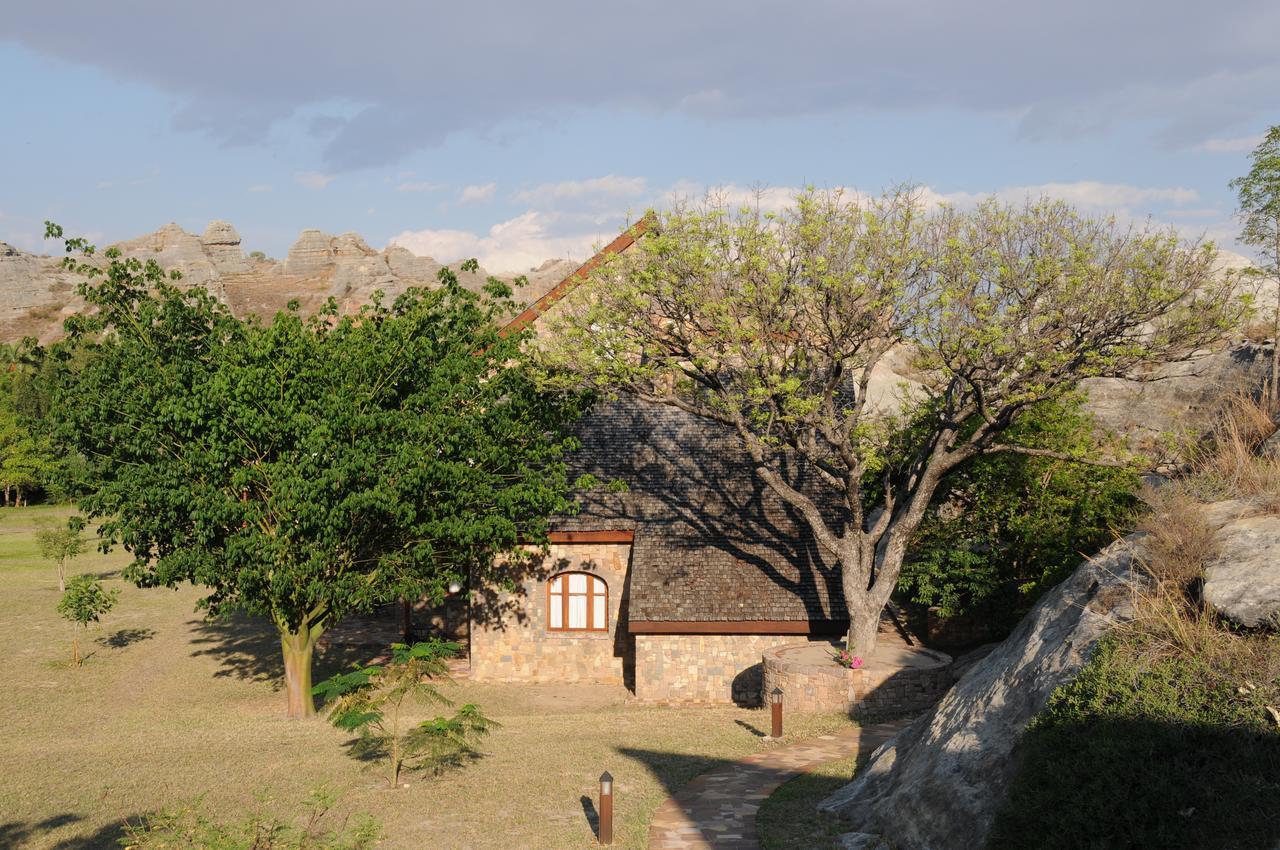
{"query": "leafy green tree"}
(1006, 527)
(1259, 199)
(59, 544)
(372, 701)
(309, 468)
(773, 326)
(85, 601)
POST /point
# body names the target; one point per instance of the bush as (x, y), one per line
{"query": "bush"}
(84, 602)
(1005, 528)
(1150, 749)
(188, 827)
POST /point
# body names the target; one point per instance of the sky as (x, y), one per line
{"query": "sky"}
(519, 132)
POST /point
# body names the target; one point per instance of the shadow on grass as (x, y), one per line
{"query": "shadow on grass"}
(593, 817)
(750, 727)
(36, 834)
(248, 648)
(125, 638)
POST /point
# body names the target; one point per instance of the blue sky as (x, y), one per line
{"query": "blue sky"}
(520, 132)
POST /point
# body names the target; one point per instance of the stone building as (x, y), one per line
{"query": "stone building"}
(673, 587)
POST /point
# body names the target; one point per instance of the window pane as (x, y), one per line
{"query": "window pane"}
(557, 612)
(557, 584)
(597, 612)
(597, 585)
(577, 612)
(577, 583)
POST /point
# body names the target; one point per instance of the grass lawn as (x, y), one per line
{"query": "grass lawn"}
(168, 707)
(788, 820)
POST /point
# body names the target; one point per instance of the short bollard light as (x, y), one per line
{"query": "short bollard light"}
(606, 808)
(775, 704)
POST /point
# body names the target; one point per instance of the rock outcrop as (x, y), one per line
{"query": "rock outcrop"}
(939, 782)
(36, 293)
(1182, 398)
(1242, 583)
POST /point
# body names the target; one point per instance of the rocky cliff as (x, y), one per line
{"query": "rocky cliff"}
(36, 293)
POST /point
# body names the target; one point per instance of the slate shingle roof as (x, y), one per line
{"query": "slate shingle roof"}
(712, 542)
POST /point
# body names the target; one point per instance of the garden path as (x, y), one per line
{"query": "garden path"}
(717, 810)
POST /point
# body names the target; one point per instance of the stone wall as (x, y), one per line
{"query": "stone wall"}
(702, 668)
(811, 682)
(509, 636)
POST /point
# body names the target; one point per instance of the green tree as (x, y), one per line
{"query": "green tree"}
(372, 701)
(309, 468)
(1006, 527)
(773, 325)
(1258, 194)
(85, 601)
(59, 544)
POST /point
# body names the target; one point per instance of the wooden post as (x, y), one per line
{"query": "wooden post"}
(775, 704)
(606, 808)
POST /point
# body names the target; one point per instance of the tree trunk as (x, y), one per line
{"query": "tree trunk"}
(75, 649)
(297, 648)
(864, 626)
(62, 575)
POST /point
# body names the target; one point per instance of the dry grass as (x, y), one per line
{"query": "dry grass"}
(1171, 620)
(1227, 464)
(169, 707)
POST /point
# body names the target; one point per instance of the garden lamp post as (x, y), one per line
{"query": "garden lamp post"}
(606, 808)
(775, 705)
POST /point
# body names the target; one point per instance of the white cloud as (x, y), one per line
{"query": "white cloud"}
(1088, 195)
(608, 187)
(421, 186)
(1239, 144)
(477, 194)
(515, 245)
(313, 179)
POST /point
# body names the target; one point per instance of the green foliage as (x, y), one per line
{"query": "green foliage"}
(309, 468)
(188, 827)
(59, 544)
(370, 701)
(1006, 527)
(774, 325)
(1143, 751)
(86, 600)
(1258, 193)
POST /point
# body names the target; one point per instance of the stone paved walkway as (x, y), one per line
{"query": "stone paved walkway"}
(718, 809)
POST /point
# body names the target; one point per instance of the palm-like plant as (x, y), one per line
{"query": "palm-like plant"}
(373, 701)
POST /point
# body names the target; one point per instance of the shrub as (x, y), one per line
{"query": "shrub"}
(84, 602)
(1007, 527)
(1146, 749)
(188, 827)
(370, 701)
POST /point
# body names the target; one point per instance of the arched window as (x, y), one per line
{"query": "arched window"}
(577, 602)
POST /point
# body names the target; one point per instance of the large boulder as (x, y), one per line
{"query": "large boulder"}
(1242, 583)
(939, 782)
(1182, 398)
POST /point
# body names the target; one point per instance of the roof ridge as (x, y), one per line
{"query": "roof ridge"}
(538, 308)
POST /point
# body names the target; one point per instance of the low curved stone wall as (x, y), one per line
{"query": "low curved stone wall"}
(895, 680)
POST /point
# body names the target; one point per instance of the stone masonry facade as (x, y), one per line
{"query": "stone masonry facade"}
(517, 645)
(702, 668)
(867, 693)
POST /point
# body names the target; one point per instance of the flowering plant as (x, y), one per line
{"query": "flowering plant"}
(847, 659)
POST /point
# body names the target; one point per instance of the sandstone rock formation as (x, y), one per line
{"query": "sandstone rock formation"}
(36, 294)
(1180, 398)
(1243, 581)
(938, 783)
